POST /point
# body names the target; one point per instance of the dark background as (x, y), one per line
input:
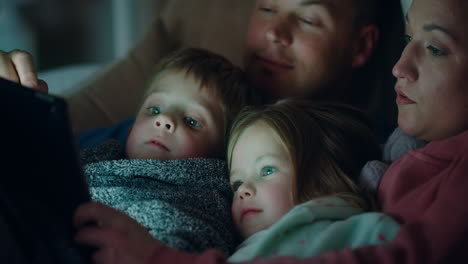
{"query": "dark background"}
(64, 32)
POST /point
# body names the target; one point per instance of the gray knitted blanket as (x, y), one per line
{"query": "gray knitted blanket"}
(183, 203)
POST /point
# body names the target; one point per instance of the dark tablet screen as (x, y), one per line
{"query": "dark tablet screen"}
(42, 182)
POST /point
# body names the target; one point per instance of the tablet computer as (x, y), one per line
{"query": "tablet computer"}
(41, 183)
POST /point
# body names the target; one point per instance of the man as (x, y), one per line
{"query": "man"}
(307, 48)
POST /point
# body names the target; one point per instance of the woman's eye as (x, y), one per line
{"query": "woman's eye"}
(192, 122)
(436, 52)
(154, 110)
(235, 185)
(268, 171)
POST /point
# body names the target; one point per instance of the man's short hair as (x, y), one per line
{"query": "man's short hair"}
(365, 12)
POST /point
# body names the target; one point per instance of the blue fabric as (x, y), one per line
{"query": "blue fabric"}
(95, 137)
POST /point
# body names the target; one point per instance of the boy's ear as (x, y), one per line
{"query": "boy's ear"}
(128, 133)
(365, 45)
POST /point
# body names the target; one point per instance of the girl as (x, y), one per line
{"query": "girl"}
(292, 167)
(292, 170)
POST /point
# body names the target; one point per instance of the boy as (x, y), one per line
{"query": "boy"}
(170, 177)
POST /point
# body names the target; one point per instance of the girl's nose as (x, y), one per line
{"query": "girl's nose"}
(246, 191)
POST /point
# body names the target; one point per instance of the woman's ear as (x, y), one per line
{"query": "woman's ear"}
(365, 45)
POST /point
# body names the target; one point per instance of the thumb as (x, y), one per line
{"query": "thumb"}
(42, 86)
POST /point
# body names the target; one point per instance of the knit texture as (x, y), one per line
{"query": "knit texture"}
(397, 144)
(183, 203)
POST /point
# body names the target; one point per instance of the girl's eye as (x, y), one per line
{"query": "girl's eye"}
(306, 21)
(268, 171)
(235, 185)
(407, 38)
(154, 110)
(436, 52)
(192, 122)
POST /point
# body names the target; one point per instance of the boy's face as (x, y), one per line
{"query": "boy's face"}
(178, 121)
(295, 47)
(432, 86)
(261, 178)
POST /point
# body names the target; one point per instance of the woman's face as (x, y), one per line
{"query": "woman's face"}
(432, 86)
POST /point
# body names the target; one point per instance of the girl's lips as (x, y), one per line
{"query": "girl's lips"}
(402, 99)
(158, 145)
(273, 64)
(248, 212)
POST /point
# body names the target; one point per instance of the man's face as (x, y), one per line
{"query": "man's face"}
(178, 121)
(432, 92)
(294, 47)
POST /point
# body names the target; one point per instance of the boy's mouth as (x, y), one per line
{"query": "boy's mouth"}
(158, 144)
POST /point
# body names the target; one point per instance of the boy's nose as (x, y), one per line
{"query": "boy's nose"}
(165, 122)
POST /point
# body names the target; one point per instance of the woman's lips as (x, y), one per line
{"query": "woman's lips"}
(158, 144)
(273, 64)
(401, 98)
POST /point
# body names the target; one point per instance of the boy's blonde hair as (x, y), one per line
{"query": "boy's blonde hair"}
(224, 80)
(328, 144)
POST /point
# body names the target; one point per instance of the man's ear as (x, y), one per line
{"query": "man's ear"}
(365, 45)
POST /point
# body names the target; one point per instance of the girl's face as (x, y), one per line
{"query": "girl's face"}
(262, 176)
(432, 86)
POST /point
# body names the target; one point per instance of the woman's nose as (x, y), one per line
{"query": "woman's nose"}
(165, 122)
(406, 67)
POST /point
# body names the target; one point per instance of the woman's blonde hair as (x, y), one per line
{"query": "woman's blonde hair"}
(328, 144)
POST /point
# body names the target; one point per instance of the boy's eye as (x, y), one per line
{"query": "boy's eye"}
(436, 52)
(192, 122)
(235, 185)
(154, 110)
(268, 171)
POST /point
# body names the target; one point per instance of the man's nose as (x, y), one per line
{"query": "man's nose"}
(165, 122)
(279, 32)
